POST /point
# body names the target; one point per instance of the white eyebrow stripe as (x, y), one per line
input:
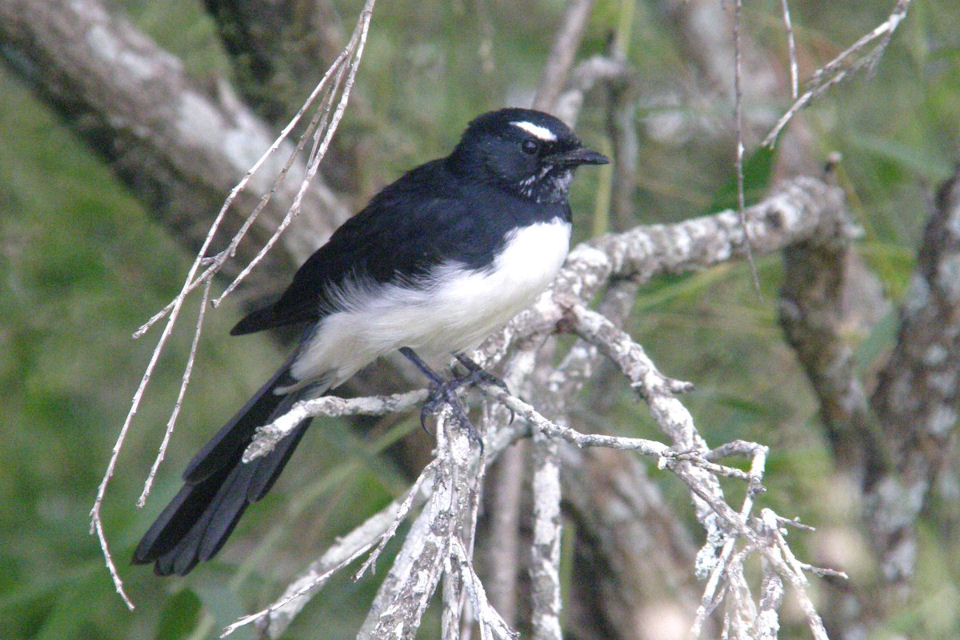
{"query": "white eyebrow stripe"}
(536, 130)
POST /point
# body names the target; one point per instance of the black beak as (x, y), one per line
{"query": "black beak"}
(577, 157)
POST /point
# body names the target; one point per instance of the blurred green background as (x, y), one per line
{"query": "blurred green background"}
(82, 265)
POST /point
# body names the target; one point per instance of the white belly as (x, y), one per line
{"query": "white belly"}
(455, 315)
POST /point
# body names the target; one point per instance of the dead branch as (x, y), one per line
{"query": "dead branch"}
(155, 106)
(180, 148)
(916, 399)
(855, 58)
(800, 209)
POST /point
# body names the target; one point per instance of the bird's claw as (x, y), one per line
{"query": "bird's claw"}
(445, 394)
(476, 376)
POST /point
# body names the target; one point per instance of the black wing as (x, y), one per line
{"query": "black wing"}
(378, 244)
(426, 218)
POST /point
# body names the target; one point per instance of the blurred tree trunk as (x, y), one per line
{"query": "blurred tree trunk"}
(895, 439)
(277, 48)
(180, 148)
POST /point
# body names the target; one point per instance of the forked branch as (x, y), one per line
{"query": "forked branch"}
(435, 546)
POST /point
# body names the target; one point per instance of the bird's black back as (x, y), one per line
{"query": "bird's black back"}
(432, 215)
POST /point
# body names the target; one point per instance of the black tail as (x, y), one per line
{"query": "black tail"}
(218, 486)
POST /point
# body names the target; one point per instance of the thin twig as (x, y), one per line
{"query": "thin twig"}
(490, 620)
(184, 382)
(356, 45)
(374, 531)
(370, 564)
(216, 262)
(791, 49)
(267, 436)
(723, 564)
(738, 125)
(304, 590)
(213, 265)
(835, 72)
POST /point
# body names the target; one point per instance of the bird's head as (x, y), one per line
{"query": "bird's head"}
(529, 153)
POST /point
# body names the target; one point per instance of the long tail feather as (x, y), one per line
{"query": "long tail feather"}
(218, 486)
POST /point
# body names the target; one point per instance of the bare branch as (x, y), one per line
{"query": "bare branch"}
(766, 626)
(504, 553)
(436, 532)
(545, 546)
(130, 39)
(489, 618)
(377, 529)
(791, 48)
(844, 65)
(917, 399)
(636, 541)
(405, 592)
(268, 435)
(562, 54)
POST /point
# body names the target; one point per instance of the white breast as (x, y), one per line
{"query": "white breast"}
(461, 309)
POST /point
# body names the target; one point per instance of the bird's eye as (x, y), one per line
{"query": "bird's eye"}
(530, 147)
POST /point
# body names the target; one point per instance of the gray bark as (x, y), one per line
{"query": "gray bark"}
(179, 148)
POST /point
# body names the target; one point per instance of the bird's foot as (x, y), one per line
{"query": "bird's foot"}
(475, 374)
(443, 392)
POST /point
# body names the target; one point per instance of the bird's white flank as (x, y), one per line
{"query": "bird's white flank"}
(452, 316)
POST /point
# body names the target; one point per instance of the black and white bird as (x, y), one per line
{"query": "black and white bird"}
(433, 264)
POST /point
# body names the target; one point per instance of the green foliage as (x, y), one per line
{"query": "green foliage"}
(179, 616)
(758, 169)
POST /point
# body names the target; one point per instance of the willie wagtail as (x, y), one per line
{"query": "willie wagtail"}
(432, 265)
